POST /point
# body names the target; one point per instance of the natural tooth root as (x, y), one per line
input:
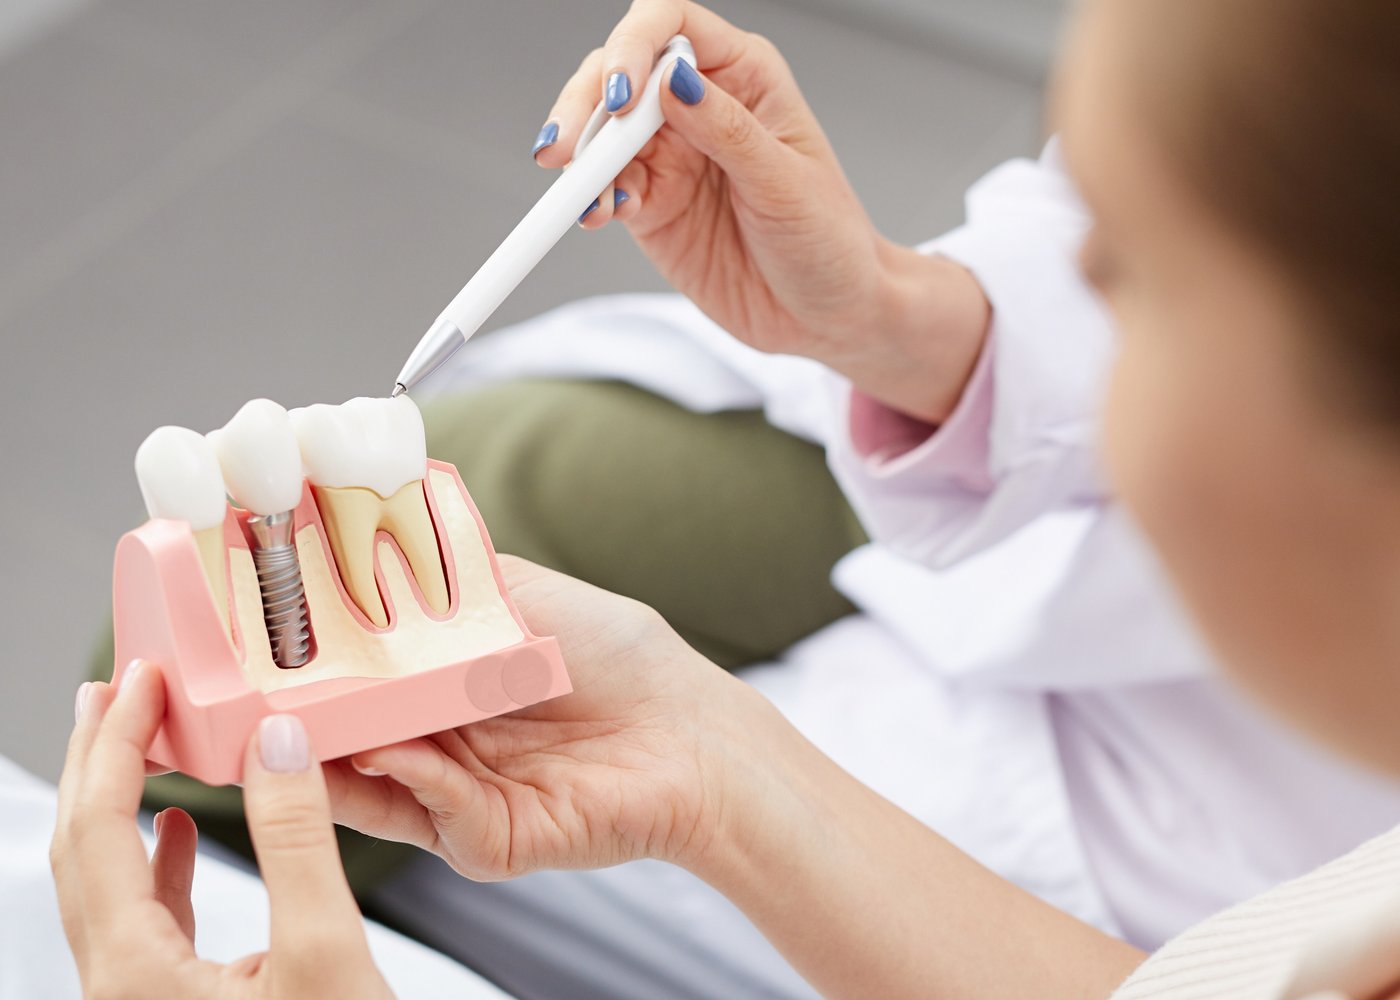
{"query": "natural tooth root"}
(353, 515)
(214, 557)
(406, 517)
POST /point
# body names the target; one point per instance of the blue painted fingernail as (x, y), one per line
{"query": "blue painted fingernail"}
(619, 91)
(686, 83)
(619, 196)
(589, 210)
(548, 136)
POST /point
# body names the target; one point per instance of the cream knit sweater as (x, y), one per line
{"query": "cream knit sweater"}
(1333, 933)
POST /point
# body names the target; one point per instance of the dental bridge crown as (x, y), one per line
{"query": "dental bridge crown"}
(401, 625)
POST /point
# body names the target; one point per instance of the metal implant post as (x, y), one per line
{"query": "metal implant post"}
(283, 596)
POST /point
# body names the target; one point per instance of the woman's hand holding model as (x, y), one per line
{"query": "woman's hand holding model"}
(741, 204)
(658, 753)
(622, 768)
(130, 921)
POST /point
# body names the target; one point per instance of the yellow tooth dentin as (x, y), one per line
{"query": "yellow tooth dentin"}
(406, 517)
(212, 555)
(353, 514)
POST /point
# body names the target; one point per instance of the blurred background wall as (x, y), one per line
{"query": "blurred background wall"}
(204, 201)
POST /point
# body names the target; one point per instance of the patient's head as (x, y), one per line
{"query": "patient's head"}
(1241, 161)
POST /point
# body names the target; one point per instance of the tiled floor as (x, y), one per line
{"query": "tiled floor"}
(202, 202)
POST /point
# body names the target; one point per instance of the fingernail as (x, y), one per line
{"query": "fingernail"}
(686, 83)
(366, 770)
(619, 196)
(134, 669)
(158, 822)
(619, 92)
(548, 136)
(80, 702)
(282, 744)
(590, 209)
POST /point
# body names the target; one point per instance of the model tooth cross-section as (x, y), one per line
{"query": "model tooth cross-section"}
(412, 629)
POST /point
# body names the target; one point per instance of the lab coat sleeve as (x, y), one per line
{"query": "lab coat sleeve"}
(1022, 440)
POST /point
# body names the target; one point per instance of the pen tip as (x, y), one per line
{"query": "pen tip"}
(399, 390)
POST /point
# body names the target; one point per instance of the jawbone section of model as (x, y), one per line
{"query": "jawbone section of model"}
(367, 461)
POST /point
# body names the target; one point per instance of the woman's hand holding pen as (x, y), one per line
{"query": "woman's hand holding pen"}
(741, 204)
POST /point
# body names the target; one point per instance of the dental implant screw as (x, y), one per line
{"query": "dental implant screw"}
(283, 596)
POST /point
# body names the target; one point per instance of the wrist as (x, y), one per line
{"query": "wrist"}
(757, 800)
(730, 751)
(928, 327)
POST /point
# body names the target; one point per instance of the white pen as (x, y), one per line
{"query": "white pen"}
(606, 146)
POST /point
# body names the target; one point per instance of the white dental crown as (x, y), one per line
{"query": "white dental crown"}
(377, 443)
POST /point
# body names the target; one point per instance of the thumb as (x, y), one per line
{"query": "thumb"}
(472, 825)
(719, 126)
(289, 819)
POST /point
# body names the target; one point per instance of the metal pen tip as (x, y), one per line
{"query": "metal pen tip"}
(399, 390)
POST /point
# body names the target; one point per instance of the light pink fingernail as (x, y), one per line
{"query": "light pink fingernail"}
(158, 822)
(366, 770)
(80, 702)
(134, 669)
(283, 745)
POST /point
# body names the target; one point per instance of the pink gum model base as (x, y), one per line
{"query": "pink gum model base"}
(164, 613)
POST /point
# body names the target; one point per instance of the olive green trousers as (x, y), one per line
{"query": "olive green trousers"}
(726, 526)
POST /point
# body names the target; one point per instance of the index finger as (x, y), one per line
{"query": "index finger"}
(637, 40)
(97, 840)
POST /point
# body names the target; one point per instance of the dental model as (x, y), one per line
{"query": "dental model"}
(403, 624)
(261, 464)
(180, 479)
(366, 461)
